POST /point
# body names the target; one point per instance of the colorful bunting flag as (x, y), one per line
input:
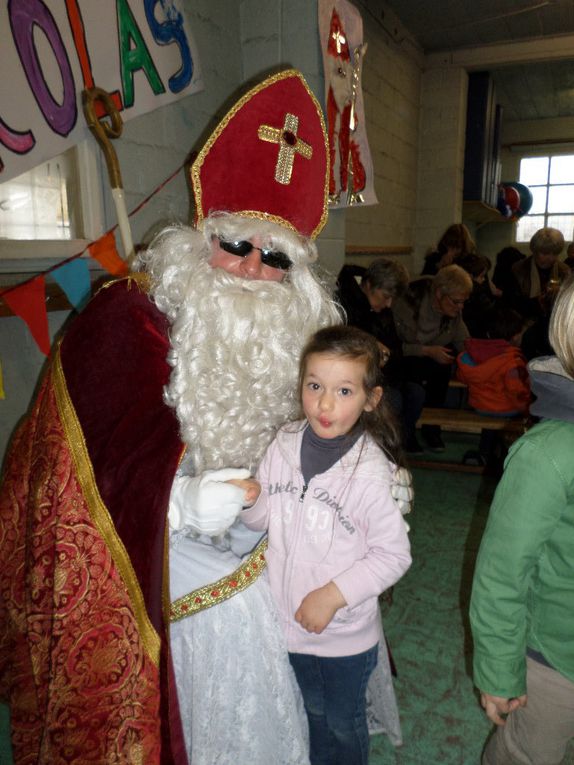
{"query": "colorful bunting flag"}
(28, 301)
(105, 252)
(74, 278)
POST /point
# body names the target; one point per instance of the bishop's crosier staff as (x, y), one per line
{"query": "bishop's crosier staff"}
(103, 131)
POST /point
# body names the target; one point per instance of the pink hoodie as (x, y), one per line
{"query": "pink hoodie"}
(343, 527)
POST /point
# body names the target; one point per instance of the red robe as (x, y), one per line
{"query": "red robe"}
(84, 659)
(339, 134)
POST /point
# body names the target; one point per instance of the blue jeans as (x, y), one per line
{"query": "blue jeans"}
(334, 692)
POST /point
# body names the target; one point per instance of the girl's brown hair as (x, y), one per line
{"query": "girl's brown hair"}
(353, 343)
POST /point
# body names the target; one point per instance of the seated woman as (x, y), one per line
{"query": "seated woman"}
(481, 302)
(454, 243)
(367, 294)
(538, 274)
(502, 276)
(429, 322)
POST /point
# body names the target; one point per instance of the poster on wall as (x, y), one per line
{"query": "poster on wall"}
(351, 180)
(140, 51)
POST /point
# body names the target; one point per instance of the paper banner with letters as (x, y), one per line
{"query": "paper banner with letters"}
(351, 180)
(141, 51)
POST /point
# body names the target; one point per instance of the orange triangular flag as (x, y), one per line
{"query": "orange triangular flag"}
(29, 303)
(105, 252)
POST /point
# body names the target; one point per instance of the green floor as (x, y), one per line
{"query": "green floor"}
(427, 626)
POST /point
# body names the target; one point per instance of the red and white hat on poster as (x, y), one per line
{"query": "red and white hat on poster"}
(268, 158)
(337, 46)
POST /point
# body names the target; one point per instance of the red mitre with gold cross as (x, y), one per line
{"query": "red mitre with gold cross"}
(268, 158)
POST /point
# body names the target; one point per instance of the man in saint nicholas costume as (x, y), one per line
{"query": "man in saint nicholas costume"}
(136, 625)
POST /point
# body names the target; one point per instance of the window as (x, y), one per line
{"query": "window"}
(551, 181)
(50, 212)
(35, 205)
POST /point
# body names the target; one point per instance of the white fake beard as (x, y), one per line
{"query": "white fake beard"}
(235, 352)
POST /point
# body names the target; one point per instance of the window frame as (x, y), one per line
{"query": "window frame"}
(543, 152)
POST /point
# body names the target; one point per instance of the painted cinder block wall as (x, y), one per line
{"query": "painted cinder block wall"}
(416, 123)
(392, 90)
(441, 156)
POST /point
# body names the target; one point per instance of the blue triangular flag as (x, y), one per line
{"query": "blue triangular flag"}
(74, 278)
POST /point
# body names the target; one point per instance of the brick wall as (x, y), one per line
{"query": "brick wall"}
(441, 156)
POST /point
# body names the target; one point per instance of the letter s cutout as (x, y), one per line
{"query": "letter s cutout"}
(171, 31)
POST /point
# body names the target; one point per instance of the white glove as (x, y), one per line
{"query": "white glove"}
(402, 489)
(205, 503)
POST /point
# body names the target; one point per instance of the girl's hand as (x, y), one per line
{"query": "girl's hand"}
(319, 607)
(250, 486)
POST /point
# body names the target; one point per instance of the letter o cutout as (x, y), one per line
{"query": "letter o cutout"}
(24, 15)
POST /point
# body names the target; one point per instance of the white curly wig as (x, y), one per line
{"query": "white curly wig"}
(235, 342)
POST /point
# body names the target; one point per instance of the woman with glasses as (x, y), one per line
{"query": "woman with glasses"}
(429, 322)
(538, 277)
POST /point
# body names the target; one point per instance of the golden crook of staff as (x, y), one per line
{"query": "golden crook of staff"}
(103, 130)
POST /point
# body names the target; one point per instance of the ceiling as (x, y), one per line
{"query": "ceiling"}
(528, 90)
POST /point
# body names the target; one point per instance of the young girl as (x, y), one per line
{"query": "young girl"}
(336, 536)
(494, 368)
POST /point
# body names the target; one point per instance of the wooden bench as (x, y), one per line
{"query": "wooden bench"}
(496, 436)
(469, 421)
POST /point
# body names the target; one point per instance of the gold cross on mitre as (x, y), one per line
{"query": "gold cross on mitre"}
(289, 145)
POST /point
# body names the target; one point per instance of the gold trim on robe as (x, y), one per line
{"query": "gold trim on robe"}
(99, 513)
(224, 588)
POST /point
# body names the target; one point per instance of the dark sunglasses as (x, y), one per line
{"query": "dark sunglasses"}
(272, 258)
